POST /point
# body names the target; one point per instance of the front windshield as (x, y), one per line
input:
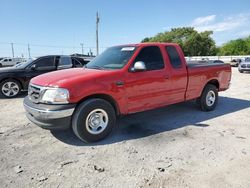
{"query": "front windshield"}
(112, 58)
(23, 64)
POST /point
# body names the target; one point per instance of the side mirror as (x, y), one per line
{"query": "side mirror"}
(139, 66)
(33, 67)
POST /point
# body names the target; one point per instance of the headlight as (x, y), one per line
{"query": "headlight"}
(55, 96)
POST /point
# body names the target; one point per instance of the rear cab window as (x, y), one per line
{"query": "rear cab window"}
(174, 57)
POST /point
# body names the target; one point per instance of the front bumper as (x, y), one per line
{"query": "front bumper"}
(49, 116)
(245, 67)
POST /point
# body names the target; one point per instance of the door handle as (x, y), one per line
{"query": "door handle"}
(119, 83)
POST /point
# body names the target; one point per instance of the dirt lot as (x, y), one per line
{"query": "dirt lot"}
(175, 146)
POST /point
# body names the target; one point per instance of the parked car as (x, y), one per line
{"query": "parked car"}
(7, 62)
(244, 65)
(215, 61)
(235, 62)
(122, 80)
(16, 78)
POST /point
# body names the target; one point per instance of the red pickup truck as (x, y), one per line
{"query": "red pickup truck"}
(122, 80)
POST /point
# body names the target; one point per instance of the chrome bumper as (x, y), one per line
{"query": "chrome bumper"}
(48, 114)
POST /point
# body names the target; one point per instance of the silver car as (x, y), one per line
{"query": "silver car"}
(244, 65)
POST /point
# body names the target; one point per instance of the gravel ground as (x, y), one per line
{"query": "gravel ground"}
(175, 146)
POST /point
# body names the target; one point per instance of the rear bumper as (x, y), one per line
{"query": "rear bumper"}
(49, 116)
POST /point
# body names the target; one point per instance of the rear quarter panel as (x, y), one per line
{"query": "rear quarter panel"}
(200, 76)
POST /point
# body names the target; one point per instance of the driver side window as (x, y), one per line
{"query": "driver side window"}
(152, 58)
(46, 63)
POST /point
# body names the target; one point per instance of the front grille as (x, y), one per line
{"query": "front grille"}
(34, 93)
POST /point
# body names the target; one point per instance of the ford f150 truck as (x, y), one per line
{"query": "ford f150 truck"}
(122, 80)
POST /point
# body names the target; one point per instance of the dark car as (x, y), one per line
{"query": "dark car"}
(215, 61)
(16, 78)
(235, 62)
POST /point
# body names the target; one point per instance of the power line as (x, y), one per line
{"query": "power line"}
(46, 45)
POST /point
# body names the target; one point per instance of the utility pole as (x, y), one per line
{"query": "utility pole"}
(29, 50)
(97, 40)
(12, 47)
(82, 47)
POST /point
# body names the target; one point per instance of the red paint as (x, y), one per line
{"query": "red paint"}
(142, 90)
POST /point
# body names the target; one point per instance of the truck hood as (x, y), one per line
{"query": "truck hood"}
(65, 78)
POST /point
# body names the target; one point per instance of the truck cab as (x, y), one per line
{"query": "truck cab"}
(122, 80)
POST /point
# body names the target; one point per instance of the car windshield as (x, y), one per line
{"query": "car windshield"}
(112, 58)
(23, 64)
(247, 60)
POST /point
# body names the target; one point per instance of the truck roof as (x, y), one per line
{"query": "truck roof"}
(149, 44)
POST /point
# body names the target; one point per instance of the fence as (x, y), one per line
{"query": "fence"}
(222, 58)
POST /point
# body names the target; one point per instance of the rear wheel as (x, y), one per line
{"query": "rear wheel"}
(93, 120)
(10, 88)
(209, 98)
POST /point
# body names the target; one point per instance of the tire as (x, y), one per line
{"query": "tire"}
(10, 88)
(98, 128)
(241, 71)
(209, 98)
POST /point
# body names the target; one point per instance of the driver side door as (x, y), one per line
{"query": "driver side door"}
(40, 66)
(148, 89)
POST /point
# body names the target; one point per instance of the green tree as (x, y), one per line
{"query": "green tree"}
(192, 42)
(236, 47)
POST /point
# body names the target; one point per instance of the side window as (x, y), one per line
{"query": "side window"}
(65, 62)
(5, 60)
(174, 57)
(46, 63)
(152, 58)
(76, 62)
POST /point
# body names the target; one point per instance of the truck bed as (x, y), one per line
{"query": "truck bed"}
(194, 64)
(199, 73)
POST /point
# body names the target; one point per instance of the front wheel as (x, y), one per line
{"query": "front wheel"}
(209, 98)
(93, 120)
(240, 71)
(10, 88)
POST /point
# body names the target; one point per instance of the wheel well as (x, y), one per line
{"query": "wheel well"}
(214, 82)
(104, 97)
(13, 79)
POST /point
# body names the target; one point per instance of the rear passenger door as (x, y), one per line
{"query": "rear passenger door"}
(178, 73)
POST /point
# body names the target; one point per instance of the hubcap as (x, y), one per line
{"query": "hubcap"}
(96, 121)
(210, 99)
(10, 89)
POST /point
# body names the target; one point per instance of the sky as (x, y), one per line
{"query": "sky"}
(59, 26)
